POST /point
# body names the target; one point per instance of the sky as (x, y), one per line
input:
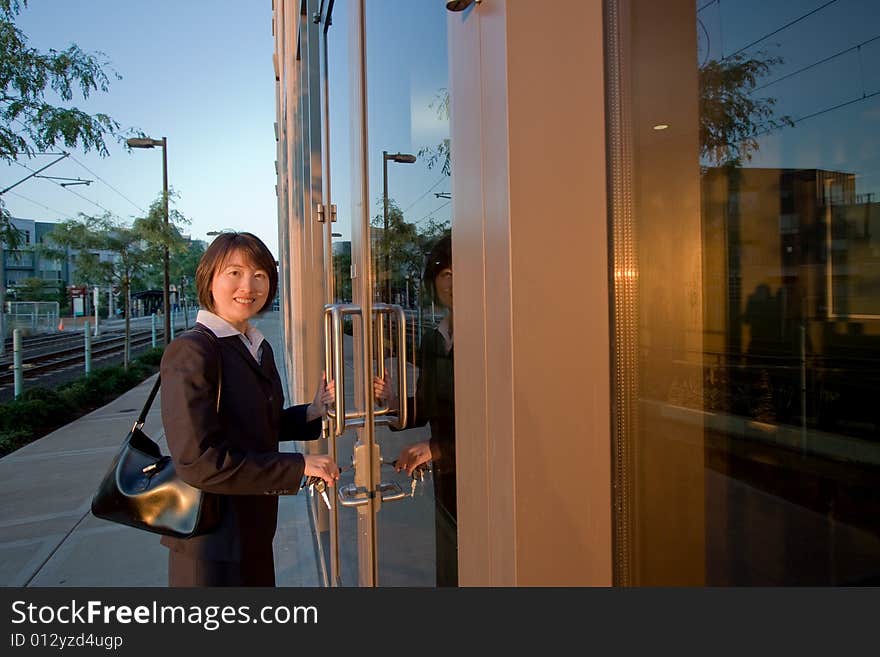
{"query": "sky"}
(407, 70)
(827, 78)
(198, 72)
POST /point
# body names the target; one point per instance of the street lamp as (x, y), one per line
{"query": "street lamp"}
(146, 142)
(400, 158)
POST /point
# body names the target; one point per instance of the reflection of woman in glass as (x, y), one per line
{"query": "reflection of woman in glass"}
(434, 404)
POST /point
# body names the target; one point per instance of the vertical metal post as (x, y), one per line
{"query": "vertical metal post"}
(367, 470)
(88, 336)
(153, 327)
(97, 297)
(16, 361)
(171, 318)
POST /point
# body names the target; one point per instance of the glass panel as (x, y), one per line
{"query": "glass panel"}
(408, 113)
(337, 150)
(752, 451)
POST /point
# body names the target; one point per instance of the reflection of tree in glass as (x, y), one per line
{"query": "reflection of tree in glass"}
(439, 154)
(342, 274)
(407, 244)
(730, 118)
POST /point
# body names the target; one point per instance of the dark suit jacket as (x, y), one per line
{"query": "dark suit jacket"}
(233, 454)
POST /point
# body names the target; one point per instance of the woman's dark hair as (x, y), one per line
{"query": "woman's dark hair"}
(438, 259)
(220, 249)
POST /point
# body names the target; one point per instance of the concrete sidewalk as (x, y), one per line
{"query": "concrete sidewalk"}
(48, 536)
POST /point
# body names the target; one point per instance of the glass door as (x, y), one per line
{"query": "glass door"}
(388, 318)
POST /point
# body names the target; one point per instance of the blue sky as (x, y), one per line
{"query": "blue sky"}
(826, 72)
(198, 72)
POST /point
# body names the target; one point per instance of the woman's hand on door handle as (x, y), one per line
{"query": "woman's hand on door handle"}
(383, 391)
(324, 395)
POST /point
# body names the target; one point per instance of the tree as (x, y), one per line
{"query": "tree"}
(28, 121)
(439, 154)
(405, 245)
(182, 267)
(159, 235)
(36, 289)
(731, 118)
(133, 249)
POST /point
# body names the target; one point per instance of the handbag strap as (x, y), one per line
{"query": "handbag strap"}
(142, 418)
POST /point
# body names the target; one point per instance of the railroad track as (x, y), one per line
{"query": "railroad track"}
(38, 364)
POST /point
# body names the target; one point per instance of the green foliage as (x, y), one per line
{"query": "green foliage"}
(12, 439)
(137, 248)
(441, 153)
(156, 235)
(731, 118)
(399, 254)
(41, 410)
(342, 274)
(36, 289)
(28, 122)
(182, 268)
(151, 357)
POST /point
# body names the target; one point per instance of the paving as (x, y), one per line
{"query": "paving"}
(48, 536)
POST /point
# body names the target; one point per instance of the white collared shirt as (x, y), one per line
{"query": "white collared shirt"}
(253, 339)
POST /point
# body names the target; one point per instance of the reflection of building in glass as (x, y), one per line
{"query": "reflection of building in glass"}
(777, 301)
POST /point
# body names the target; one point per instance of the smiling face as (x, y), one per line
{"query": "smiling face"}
(240, 289)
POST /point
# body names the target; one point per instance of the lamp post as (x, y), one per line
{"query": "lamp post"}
(400, 158)
(146, 142)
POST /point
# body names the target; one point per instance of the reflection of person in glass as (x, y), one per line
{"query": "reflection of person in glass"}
(434, 404)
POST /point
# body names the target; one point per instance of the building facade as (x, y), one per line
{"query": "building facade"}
(666, 266)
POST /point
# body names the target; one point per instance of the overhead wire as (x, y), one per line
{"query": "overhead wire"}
(428, 191)
(431, 213)
(95, 203)
(108, 184)
(42, 205)
(817, 63)
(780, 29)
(708, 4)
(838, 106)
(22, 123)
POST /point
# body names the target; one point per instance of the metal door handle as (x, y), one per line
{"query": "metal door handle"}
(352, 495)
(381, 310)
(334, 363)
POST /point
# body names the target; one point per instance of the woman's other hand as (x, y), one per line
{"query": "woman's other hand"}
(382, 390)
(412, 456)
(321, 465)
(326, 394)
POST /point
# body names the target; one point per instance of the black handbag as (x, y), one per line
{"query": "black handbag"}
(141, 488)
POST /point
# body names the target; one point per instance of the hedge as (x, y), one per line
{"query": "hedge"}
(39, 411)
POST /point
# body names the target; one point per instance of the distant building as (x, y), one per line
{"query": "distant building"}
(27, 261)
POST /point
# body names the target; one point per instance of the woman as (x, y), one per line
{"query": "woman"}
(435, 405)
(231, 451)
